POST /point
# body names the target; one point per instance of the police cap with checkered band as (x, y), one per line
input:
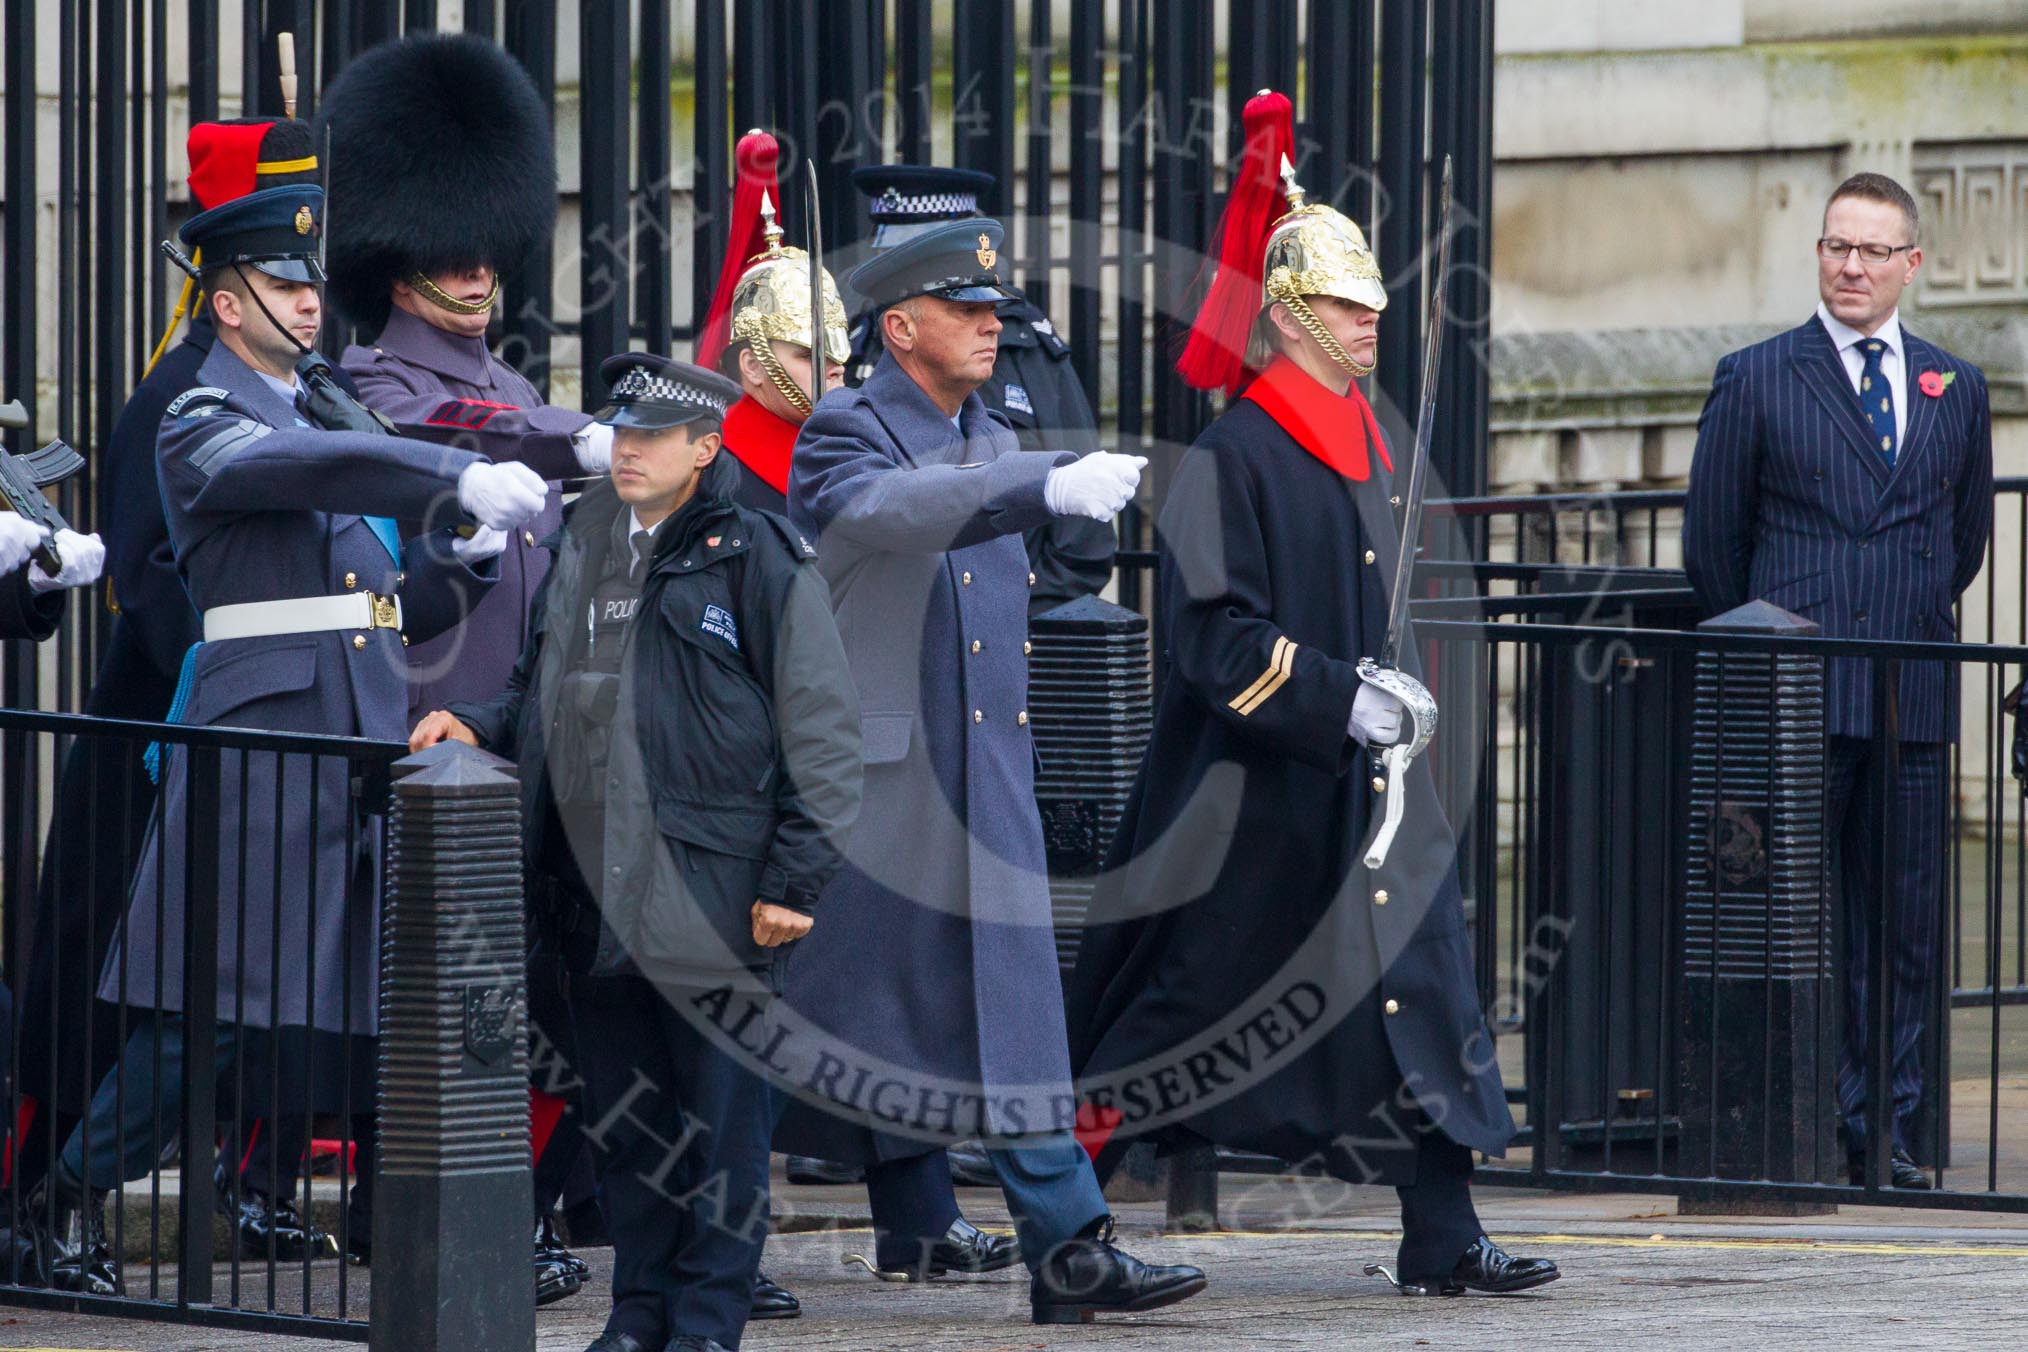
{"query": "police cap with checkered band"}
(652, 392)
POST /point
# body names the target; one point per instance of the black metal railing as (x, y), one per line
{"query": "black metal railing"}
(259, 855)
(1577, 843)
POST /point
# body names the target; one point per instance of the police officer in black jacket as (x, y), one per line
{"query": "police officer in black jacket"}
(688, 737)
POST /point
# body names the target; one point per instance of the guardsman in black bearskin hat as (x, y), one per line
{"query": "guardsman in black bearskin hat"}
(757, 331)
(1032, 386)
(1274, 992)
(443, 176)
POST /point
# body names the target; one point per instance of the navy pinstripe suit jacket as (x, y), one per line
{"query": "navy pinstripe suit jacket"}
(1790, 502)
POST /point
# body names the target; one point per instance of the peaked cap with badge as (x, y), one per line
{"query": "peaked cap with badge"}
(418, 124)
(654, 392)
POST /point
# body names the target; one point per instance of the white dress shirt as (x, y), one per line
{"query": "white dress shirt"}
(1893, 363)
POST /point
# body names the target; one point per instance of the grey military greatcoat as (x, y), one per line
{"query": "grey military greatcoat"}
(933, 968)
(417, 374)
(261, 509)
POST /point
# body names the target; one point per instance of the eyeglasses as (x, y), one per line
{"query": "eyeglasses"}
(1836, 249)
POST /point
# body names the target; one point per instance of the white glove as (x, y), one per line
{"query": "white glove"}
(1096, 486)
(594, 446)
(501, 496)
(83, 558)
(18, 539)
(1376, 716)
(485, 543)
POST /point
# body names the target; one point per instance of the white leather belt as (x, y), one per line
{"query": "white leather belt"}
(302, 615)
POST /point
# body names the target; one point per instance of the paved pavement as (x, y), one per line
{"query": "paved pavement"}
(1636, 1273)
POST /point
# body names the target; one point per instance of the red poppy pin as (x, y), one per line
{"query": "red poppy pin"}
(1934, 383)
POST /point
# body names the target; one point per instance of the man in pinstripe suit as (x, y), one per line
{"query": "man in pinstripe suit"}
(1844, 471)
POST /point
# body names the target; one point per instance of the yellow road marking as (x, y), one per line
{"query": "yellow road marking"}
(1632, 1242)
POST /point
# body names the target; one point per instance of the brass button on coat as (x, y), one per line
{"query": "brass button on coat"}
(351, 581)
(1379, 784)
(965, 578)
(978, 716)
(528, 538)
(1380, 897)
(1370, 556)
(1392, 1006)
(975, 645)
(1021, 719)
(359, 641)
(1031, 579)
(1026, 647)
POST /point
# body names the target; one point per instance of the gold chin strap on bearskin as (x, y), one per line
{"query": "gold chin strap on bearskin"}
(1316, 251)
(771, 303)
(444, 300)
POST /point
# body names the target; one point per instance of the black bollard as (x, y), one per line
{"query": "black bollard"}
(1091, 710)
(1759, 1023)
(453, 1201)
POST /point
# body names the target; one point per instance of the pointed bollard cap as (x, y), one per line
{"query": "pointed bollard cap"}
(1762, 617)
(451, 762)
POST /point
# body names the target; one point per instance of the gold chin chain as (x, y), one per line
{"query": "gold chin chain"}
(764, 353)
(1333, 349)
(444, 300)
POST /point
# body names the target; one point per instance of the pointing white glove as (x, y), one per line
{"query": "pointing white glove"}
(501, 496)
(485, 543)
(1096, 486)
(18, 539)
(83, 558)
(594, 446)
(1376, 716)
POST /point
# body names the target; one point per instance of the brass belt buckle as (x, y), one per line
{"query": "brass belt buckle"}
(385, 616)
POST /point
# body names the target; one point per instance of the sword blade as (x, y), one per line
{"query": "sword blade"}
(1425, 428)
(816, 252)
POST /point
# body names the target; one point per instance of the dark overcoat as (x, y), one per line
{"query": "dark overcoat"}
(1791, 502)
(261, 508)
(1035, 389)
(426, 379)
(25, 615)
(932, 973)
(1245, 978)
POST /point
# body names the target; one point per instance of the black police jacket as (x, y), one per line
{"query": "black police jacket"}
(741, 778)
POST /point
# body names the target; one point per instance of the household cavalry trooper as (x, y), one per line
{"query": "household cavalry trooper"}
(1032, 386)
(931, 991)
(757, 331)
(688, 745)
(285, 537)
(443, 177)
(1249, 904)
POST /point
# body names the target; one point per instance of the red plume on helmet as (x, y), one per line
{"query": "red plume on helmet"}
(1215, 356)
(756, 157)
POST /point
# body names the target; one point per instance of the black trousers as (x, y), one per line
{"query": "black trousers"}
(679, 1132)
(913, 1206)
(1438, 1220)
(1913, 821)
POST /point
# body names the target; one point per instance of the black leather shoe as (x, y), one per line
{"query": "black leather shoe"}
(73, 1255)
(1080, 1278)
(964, 1248)
(261, 1224)
(691, 1342)
(772, 1301)
(549, 1242)
(359, 1247)
(554, 1280)
(971, 1166)
(1485, 1267)
(1902, 1170)
(617, 1342)
(810, 1170)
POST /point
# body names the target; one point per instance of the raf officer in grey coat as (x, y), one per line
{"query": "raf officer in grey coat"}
(932, 986)
(286, 538)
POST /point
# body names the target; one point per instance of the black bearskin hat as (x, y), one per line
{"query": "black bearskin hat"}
(441, 157)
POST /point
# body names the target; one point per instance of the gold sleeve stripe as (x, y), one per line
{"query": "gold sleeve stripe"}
(301, 166)
(1271, 680)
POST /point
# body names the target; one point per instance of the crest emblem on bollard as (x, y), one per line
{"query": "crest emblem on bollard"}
(489, 1023)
